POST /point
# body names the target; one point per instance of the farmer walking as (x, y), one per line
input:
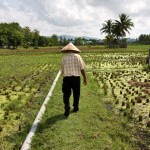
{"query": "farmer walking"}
(72, 66)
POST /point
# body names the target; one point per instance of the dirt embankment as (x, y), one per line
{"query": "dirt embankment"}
(145, 85)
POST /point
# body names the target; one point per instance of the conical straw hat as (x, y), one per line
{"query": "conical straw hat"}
(70, 47)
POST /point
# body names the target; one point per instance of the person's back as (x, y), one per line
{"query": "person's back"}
(72, 66)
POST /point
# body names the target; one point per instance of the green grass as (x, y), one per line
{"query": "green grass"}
(25, 78)
(24, 83)
(84, 49)
(94, 127)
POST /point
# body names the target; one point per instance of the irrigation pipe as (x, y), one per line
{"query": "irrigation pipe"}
(26, 144)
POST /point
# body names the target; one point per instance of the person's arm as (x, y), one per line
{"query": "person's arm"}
(84, 76)
(62, 67)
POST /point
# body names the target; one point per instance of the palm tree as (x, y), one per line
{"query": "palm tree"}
(123, 26)
(107, 28)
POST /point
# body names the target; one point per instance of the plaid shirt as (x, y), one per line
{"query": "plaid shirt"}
(72, 64)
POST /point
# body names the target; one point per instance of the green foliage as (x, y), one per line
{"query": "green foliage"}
(54, 40)
(78, 41)
(144, 39)
(35, 38)
(24, 83)
(116, 31)
(25, 78)
(43, 41)
(10, 35)
(28, 37)
(63, 41)
(92, 128)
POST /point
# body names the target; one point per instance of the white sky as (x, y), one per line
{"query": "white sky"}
(75, 17)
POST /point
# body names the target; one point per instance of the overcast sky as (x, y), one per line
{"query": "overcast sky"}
(75, 17)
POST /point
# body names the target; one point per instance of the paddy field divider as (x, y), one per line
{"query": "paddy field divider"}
(26, 144)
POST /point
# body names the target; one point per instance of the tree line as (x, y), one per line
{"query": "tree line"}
(12, 35)
(116, 30)
(144, 39)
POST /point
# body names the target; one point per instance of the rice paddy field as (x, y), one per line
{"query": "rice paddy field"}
(118, 83)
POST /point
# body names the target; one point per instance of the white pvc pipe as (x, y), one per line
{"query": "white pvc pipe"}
(26, 144)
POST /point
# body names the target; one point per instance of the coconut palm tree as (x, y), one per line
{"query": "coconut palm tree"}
(123, 25)
(107, 28)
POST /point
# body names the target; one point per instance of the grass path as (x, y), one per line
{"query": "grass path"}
(94, 127)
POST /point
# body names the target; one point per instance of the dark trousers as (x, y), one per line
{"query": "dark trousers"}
(71, 83)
